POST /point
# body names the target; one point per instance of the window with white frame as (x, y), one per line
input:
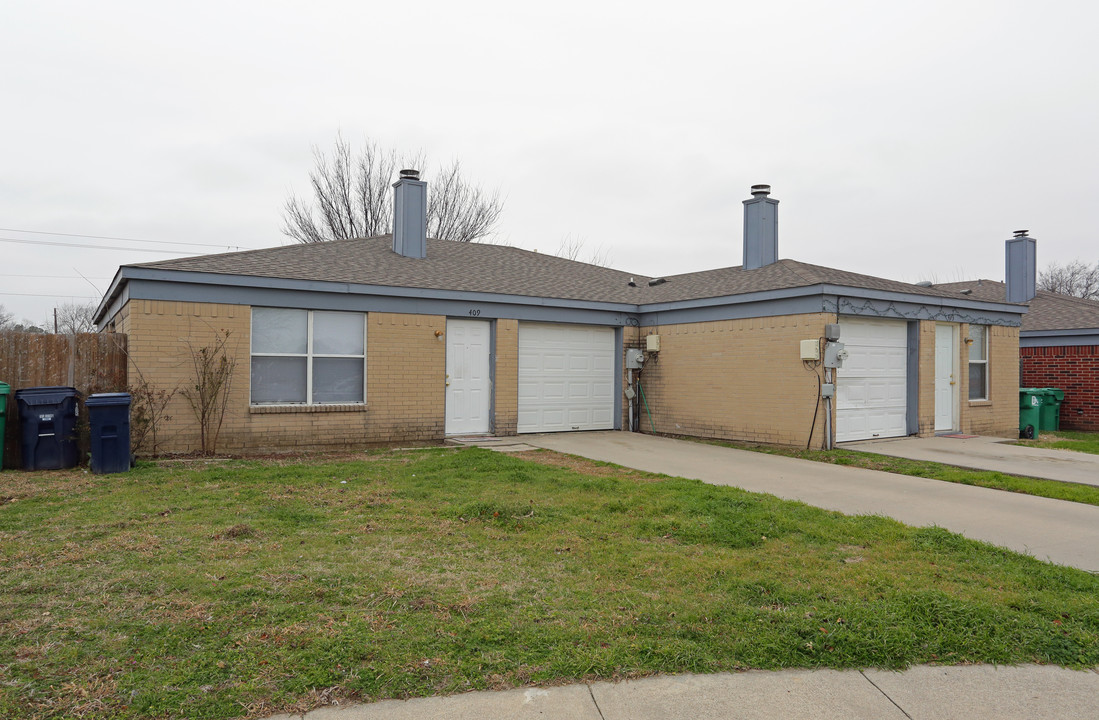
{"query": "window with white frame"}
(978, 362)
(308, 357)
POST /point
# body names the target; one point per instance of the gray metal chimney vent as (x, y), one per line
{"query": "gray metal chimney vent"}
(1022, 268)
(760, 228)
(410, 215)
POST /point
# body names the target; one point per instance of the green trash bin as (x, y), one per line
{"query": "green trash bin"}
(1030, 412)
(1051, 408)
(5, 390)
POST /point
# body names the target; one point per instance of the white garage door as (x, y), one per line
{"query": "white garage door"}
(566, 377)
(871, 388)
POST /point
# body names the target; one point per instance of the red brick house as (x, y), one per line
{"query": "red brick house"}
(1058, 341)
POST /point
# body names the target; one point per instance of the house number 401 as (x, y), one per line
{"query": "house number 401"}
(474, 313)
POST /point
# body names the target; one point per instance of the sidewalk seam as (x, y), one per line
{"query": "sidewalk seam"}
(886, 695)
(595, 702)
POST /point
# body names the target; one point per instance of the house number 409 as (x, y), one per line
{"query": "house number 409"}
(474, 313)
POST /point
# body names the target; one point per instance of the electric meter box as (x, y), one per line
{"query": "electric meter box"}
(810, 350)
(652, 343)
(634, 359)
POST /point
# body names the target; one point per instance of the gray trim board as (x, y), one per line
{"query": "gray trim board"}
(311, 300)
(1069, 338)
(884, 308)
(912, 392)
(201, 282)
(618, 368)
(491, 377)
(770, 307)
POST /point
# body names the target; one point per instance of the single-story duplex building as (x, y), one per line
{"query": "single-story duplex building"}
(404, 338)
(1058, 340)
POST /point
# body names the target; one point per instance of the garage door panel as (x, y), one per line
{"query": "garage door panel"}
(565, 377)
(872, 386)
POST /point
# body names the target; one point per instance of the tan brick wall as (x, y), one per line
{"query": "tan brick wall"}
(406, 367)
(926, 411)
(735, 379)
(999, 415)
(630, 339)
(506, 385)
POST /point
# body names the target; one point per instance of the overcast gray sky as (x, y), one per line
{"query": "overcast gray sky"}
(904, 139)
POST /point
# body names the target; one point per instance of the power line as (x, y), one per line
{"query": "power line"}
(81, 297)
(58, 277)
(108, 237)
(93, 247)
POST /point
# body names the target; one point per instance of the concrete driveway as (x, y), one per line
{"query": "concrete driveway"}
(1059, 531)
(988, 453)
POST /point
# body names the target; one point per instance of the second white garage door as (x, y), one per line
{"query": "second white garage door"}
(872, 389)
(566, 377)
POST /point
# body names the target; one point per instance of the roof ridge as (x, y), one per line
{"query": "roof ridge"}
(1094, 304)
(794, 265)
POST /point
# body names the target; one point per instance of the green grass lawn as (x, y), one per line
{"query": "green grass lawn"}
(244, 588)
(1087, 494)
(1066, 440)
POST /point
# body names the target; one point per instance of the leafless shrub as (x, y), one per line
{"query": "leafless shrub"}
(208, 394)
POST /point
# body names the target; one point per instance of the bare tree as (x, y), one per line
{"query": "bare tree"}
(353, 197)
(73, 318)
(1074, 278)
(6, 319)
(572, 247)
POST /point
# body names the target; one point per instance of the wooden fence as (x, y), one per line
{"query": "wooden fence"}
(89, 362)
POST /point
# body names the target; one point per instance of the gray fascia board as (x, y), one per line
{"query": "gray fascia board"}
(1059, 338)
(108, 297)
(475, 305)
(741, 298)
(324, 286)
(917, 299)
(153, 284)
(827, 289)
(771, 307)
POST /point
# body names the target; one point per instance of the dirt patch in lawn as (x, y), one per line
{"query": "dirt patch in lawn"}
(572, 462)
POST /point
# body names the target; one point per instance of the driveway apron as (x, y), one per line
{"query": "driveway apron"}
(1059, 531)
(985, 453)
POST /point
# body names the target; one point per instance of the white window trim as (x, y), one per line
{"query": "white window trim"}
(984, 390)
(309, 355)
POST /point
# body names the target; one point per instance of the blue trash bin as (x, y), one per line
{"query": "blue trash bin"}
(47, 416)
(109, 431)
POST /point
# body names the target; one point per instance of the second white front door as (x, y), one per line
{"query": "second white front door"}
(468, 381)
(946, 398)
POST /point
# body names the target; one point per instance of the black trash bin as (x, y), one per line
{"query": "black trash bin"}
(109, 425)
(47, 416)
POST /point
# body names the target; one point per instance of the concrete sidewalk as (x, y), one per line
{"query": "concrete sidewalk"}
(987, 453)
(970, 692)
(1055, 530)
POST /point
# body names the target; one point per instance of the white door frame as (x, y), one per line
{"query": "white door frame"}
(952, 335)
(468, 398)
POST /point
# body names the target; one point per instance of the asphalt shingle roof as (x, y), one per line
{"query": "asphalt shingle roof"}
(480, 267)
(1048, 310)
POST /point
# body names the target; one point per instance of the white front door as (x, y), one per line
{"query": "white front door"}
(946, 398)
(468, 386)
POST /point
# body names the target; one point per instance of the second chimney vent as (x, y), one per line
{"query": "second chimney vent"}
(760, 228)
